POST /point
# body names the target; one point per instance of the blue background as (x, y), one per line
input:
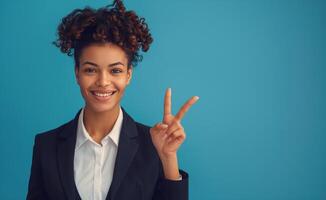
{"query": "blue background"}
(258, 130)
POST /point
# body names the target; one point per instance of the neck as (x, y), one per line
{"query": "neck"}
(99, 124)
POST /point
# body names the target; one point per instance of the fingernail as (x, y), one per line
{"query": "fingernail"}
(164, 125)
(196, 97)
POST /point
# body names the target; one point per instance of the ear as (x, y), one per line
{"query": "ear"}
(129, 74)
(77, 74)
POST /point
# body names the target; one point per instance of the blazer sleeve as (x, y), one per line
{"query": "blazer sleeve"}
(172, 190)
(35, 186)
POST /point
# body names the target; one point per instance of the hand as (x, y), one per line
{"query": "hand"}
(167, 136)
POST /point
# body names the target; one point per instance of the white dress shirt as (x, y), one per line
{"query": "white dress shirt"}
(93, 162)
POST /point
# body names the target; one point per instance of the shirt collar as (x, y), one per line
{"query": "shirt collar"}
(83, 135)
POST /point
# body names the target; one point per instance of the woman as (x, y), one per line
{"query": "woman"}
(103, 153)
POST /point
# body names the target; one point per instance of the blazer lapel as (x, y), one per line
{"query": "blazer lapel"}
(127, 148)
(65, 157)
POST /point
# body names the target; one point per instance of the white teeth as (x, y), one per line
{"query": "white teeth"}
(103, 94)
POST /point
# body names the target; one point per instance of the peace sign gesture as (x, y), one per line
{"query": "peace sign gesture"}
(167, 136)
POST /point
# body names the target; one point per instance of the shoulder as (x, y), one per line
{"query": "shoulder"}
(50, 136)
(144, 135)
(143, 131)
(142, 128)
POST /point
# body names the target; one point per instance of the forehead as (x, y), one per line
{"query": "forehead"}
(103, 54)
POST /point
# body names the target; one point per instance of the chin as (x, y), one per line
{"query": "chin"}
(101, 108)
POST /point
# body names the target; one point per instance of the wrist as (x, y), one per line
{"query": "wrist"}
(168, 157)
(170, 166)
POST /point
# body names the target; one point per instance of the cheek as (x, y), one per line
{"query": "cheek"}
(121, 83)
(84, 83)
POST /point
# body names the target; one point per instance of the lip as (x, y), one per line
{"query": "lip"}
(103, 91)
(105, 98)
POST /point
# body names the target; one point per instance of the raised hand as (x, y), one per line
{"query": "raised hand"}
(167, 136)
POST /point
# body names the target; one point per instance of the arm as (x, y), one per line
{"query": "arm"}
(167, 137)
(35, 186)
(172, 189)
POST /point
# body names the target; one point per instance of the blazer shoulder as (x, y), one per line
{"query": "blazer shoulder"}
(145, 136)
(143, 128)
(52, 133)
(144, 132)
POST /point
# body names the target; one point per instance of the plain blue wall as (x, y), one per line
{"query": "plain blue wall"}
(258, 130)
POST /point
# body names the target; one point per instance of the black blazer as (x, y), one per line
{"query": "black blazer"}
(138, 173)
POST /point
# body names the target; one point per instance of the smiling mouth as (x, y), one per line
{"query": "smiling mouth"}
(103, 95)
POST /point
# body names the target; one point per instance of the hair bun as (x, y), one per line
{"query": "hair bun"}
(119, 6)
(112, 24)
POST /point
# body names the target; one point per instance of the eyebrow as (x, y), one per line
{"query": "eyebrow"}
(110, 65)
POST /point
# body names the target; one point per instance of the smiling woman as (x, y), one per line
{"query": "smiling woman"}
(103, 153)
(103, 76)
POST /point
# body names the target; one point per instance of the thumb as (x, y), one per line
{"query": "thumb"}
(159, 127)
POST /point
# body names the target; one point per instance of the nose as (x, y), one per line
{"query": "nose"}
(103, 79)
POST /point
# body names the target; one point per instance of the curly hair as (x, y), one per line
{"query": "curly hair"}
(109, 24)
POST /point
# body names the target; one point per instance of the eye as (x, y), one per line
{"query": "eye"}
(90, 70)
(116, 71)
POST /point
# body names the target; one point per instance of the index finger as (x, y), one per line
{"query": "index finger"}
(186, 107)
(167, 102)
